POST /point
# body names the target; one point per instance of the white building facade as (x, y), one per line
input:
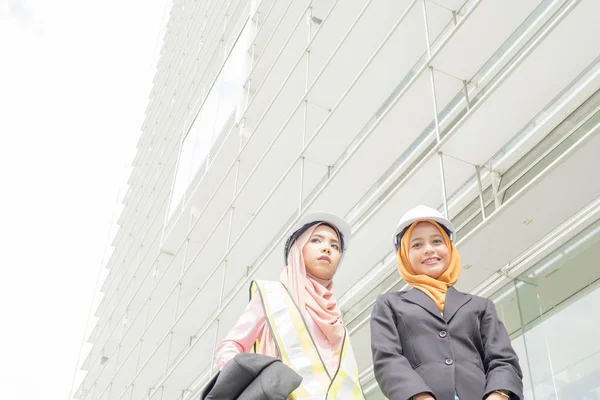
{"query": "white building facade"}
(264, 110)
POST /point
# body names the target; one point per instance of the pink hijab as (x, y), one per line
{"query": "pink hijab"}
(310, 294)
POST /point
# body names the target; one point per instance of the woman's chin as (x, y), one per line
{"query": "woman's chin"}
(434, 272)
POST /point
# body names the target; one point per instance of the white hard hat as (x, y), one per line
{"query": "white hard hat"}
(420, 213)
(308, 220)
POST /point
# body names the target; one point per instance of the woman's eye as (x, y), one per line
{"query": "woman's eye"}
(416, 245)
(335, 246)
(437, 241)
(315, 240)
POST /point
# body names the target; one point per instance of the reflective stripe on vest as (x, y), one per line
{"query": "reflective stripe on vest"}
(297, 348)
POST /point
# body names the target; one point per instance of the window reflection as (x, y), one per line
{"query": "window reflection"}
(550, 311)
(214, 119)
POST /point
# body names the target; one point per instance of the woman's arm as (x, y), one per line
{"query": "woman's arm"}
(243, 335)
(502, 369)
(396, 378)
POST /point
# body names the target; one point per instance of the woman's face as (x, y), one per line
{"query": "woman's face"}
(322, 253)
(428, 253)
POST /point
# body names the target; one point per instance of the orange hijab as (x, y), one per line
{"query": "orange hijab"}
(434, 288)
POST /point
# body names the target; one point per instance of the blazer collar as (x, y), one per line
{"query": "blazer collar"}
(454, 301)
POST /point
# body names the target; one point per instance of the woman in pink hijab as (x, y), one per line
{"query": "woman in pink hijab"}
(298, 319)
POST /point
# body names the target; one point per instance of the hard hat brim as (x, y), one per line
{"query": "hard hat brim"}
(442, 221)
(340, 224)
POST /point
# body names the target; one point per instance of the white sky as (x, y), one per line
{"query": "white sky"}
(74, 83)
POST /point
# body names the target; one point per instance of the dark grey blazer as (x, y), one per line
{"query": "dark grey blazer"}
(466, 351)
(251, 376)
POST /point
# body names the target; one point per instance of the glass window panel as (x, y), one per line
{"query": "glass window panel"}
(507, 306)
(555, 304)
(183, 174)
(204, 126)
(231, 86)
(216, 110)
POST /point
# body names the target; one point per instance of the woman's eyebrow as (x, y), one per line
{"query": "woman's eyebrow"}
(318, 235)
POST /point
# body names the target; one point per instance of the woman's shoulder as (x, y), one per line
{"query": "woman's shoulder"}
(390, 297)
(264, 282)
(475, 300)
(478, 299)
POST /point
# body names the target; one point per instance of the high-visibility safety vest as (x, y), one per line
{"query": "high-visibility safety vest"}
(297, 348)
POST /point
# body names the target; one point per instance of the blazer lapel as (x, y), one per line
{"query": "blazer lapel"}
(454, 301)
(421, 299)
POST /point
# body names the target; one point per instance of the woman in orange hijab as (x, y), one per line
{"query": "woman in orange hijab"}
(432, 341)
